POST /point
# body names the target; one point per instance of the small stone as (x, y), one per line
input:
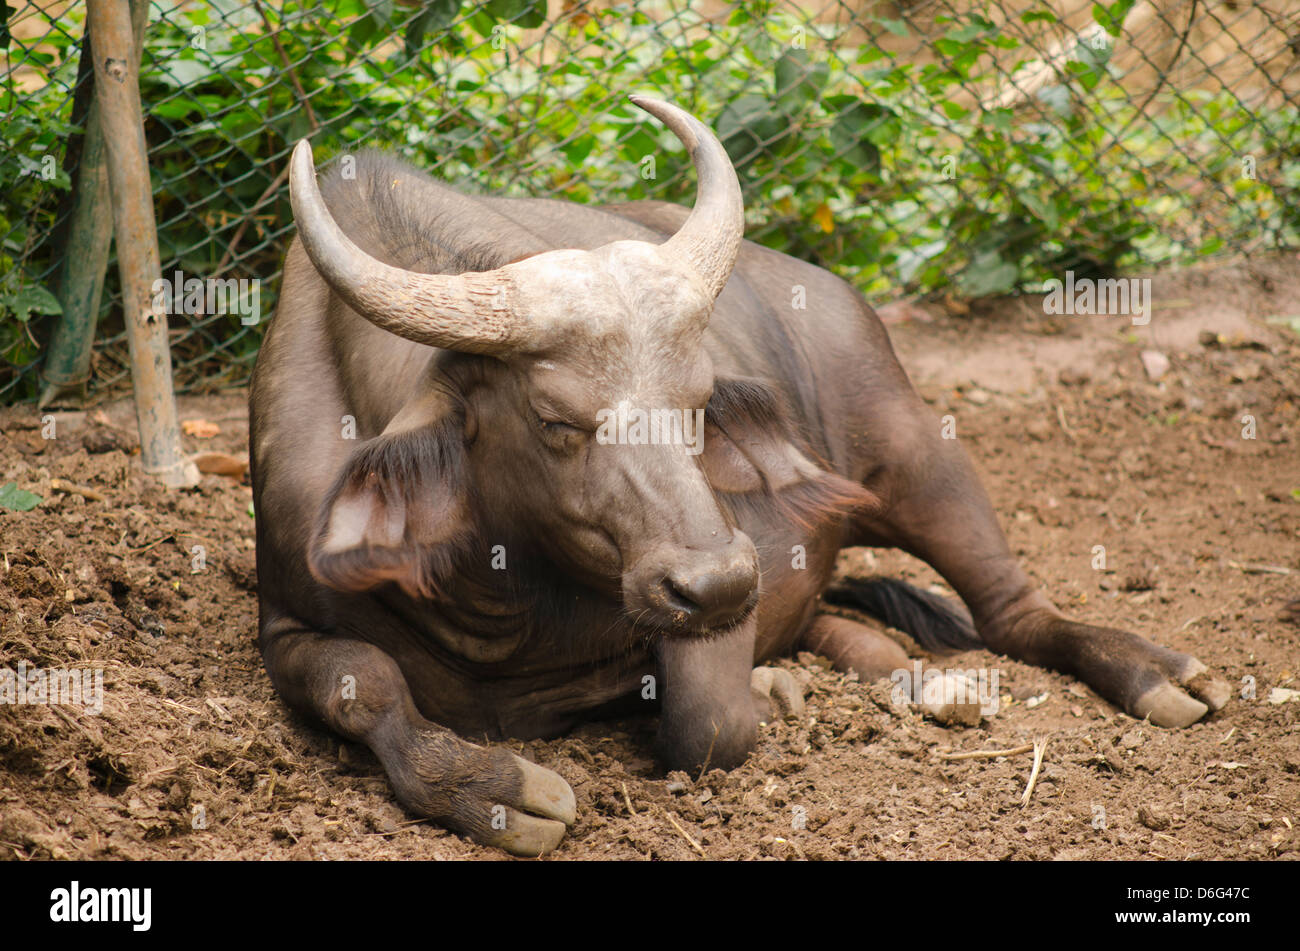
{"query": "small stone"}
(1245, 371)
(1039, 430)
(98, 441)
(1153, 820)
(952, 700)
(1234, 822)
(1155, 363)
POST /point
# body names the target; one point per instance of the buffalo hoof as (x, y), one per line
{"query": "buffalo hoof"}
(776, 694)
(1196, 693)
(1147, 681)
(489, 795)
(537, 820)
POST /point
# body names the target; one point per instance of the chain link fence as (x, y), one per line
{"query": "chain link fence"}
(925, 146)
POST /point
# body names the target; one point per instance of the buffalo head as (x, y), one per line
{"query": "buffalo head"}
(568, 401)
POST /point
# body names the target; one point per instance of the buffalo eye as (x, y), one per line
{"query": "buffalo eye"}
(557, 434)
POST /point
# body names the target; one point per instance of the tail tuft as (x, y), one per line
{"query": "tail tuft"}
(936, 623)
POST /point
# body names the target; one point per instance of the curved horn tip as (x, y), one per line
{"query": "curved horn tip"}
(301, 161)
(680, 122)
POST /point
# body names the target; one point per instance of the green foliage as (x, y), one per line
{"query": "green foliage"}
(16, 499)
(888, 171)
(34, 130)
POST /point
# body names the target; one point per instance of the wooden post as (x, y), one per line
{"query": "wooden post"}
(117, 93)
(84, 251)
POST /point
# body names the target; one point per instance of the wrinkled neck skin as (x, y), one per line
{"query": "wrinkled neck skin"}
(526, 653)
(488, 619)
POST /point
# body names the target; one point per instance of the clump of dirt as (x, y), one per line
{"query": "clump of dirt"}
(193, 756)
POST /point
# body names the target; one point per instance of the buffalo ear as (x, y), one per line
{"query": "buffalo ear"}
(752, 457)
(398, 512)
(751, 453)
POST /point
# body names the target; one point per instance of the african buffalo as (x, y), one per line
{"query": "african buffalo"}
(466, 526)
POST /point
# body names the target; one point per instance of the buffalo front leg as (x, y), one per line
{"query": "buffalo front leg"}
(940, 513)
(707, 713)
(850, 646)
(489, 795)
(714, 699)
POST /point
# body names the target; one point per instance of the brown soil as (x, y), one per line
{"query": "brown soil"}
(1079, 448)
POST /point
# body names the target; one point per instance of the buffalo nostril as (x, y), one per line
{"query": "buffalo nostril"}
(712, 597)
(679, 597)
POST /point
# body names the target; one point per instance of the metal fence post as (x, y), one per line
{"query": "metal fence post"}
(84, 255)
(118, 95)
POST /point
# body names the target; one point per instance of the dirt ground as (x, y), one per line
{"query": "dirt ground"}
(193, 755)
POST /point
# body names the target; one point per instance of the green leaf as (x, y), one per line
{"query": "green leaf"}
(183, 73)
(171, 109)
(747, 126)
(1087, 75)
(34, 300)
(1111, 18)
(852, 134)
(16, 499)
(1093, 56)
(362, 29)
(799, 82)
(528, 14)
(988, 274)
(374, 25)
(381, 11)
(967, 32)
(5, 12)
(897, 27)
(1058, 98)
(911, 260)
(1000, 119)
(579, 149)
(1045, 211)
(434, 18)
